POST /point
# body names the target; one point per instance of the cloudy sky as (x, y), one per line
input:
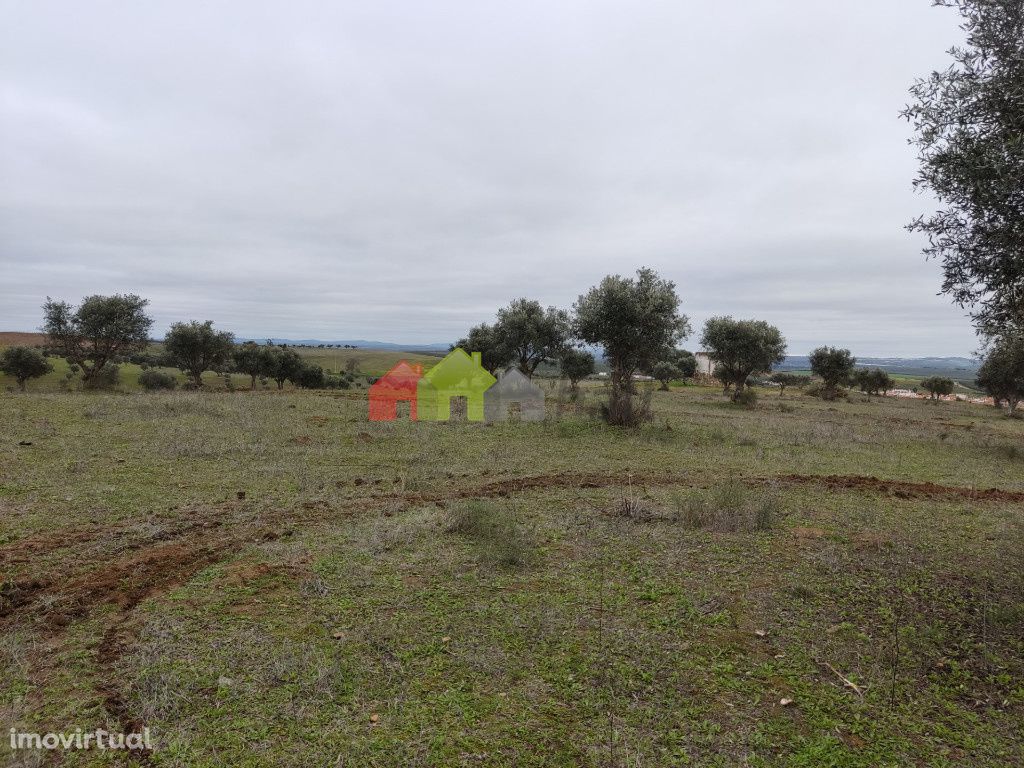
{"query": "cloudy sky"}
(398, 170)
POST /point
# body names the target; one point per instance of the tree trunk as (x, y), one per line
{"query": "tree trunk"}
(21, 384)
(738, 390)
(254, 381)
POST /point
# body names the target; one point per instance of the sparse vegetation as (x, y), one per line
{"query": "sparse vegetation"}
(459, 571)
(153, 380)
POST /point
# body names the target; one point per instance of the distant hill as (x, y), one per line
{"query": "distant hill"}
(911, 366)
(15, 339)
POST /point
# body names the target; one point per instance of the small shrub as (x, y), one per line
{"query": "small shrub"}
(494, 530)
(691, 510)
(729, 507)
(151, 379)
(817, 389)
(108, 377)
(626, 409)
(747, 398)
(310, 377)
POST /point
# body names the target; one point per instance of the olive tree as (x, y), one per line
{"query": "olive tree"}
(938, 386)
(686, 362)
(665, 372)
(98, 331)
(742, 348)
(525, 335)
(1001, 374)
(254, 360)
(784, 380)
(531, 334)
(968, 120)
(872, 381)
(483, 338)
(24, 363)
(635, 320)
(576, 364)
(285, 365)
(834, 366)
(196, 347)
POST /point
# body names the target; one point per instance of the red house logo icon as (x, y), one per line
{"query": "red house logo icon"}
(396, 386)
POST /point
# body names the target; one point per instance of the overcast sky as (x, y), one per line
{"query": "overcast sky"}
(398, 170)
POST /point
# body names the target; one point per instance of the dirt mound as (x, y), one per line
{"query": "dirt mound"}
(580, 480)
(29, 548)
(903, 489)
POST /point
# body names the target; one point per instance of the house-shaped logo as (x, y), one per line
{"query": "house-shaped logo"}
(514, 396)
(458, 375)
(458, 384)
(396, 386)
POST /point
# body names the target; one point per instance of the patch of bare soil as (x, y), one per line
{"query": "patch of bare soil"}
(28, 549)
(580, 480)
(16, 339)
(902, 489)
(143, 568)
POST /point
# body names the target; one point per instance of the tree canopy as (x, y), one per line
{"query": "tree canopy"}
(742, 348)
(99, 330)
(1001, 374)
(532, 334)
(196, 347)
(834, 366)
(969, 125)
(938, 386)
(254, 360)
(665, 372)
(872, 381)
(525, 335)
(576, 364)
(24, 363)
(636, 320)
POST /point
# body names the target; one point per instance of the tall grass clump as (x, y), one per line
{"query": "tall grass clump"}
(494, 530)
(729, 507)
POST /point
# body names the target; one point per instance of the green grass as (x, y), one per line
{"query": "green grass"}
(399, 594)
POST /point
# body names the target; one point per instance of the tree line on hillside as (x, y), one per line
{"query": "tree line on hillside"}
(636, 321)
(104, 331)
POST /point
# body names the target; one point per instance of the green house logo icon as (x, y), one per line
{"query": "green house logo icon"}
(457, 376)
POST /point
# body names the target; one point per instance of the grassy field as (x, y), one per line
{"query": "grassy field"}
(268, 579)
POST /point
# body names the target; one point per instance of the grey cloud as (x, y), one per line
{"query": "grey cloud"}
(398, 170)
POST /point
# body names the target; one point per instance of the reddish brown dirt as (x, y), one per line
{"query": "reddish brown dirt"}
(902, 489)
(191, 540)
(16, 339)
(580, 480)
